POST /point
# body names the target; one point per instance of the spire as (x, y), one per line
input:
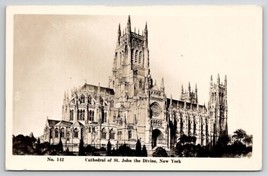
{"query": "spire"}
(225, 80)
(189, 88)
(218, 79)
(162, 84)
(171, 101)
(146, 35)
(211, 80)
(98, 89)
(146, 27)
(129, 24)
(182, 89)
(196, 94)
(119, 33)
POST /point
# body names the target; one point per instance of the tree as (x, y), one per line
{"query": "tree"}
(248, 140)
(160, 152)
(108, 148)
(144, 151)
(81, 148)
(60, 146)
(239, 134)
(138, 150)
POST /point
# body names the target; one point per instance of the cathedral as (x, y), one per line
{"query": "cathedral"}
(134, 107)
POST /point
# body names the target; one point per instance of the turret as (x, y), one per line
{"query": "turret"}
(146, 35)
(189, 88)
(218, 79)
(129, 25)
(196, 94)
(162, 88)
(225, 81)
(119, 34)
(211, 80)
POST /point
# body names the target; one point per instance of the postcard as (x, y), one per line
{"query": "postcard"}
(153, 88)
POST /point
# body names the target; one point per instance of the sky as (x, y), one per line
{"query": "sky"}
(54, 53)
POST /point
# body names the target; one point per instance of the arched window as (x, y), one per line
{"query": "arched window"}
(91, 115)
(140, 57)
(195, 127)
(82, 98)
(140, 84)
(132, 55)
(83, 114)
(89, 99)
(62, 134)
(56, 133)
(103, 133)
(112, 134)
(105, 117)
(71, 114)
(76, 133)
(136, 56)
(129, 134)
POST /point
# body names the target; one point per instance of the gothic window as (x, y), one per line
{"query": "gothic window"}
(67, 134)
(195, 126)
(119, 135)
(189, 126)
(82, 99)
(93, 129)
(89, 99)
(132, 55)
(140, 57)
(71, 114)
(103, 133)
(136, 56)
(76, 133)
(155, 109)
(129, 134)
(62, 134)
(105, 117)
(112, 134)
(56, 133)
(140, 84)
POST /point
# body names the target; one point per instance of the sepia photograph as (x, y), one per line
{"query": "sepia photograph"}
(134, 88)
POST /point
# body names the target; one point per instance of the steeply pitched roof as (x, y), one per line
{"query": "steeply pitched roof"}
(105, 90)
(52, 123)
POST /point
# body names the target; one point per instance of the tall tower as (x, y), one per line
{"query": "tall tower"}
(218, 108)
(131, 62)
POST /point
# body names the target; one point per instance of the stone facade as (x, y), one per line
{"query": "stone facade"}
(135, 107)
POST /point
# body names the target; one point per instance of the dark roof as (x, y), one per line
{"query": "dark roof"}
(52, 122)
(180, 104)
(64, 123)
(95, 88)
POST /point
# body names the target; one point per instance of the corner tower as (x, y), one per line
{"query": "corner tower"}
(131, 62)
(218, 108)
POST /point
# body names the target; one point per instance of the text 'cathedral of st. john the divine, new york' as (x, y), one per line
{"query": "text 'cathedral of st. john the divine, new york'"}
(134, 107)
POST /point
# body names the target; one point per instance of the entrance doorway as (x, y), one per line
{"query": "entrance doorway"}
(156, 136)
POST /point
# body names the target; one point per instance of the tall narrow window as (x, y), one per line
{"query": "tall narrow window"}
(129, 134)
(140, 57)
(76, 133)
(56, 133)
(105, 117)
(136, 56)
(82, 98)
(140, 84)
(112, 134)
(71, 114)
(103, 133)
(62, 134)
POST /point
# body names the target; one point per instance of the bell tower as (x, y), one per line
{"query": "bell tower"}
(131, 62)
(218, 108)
